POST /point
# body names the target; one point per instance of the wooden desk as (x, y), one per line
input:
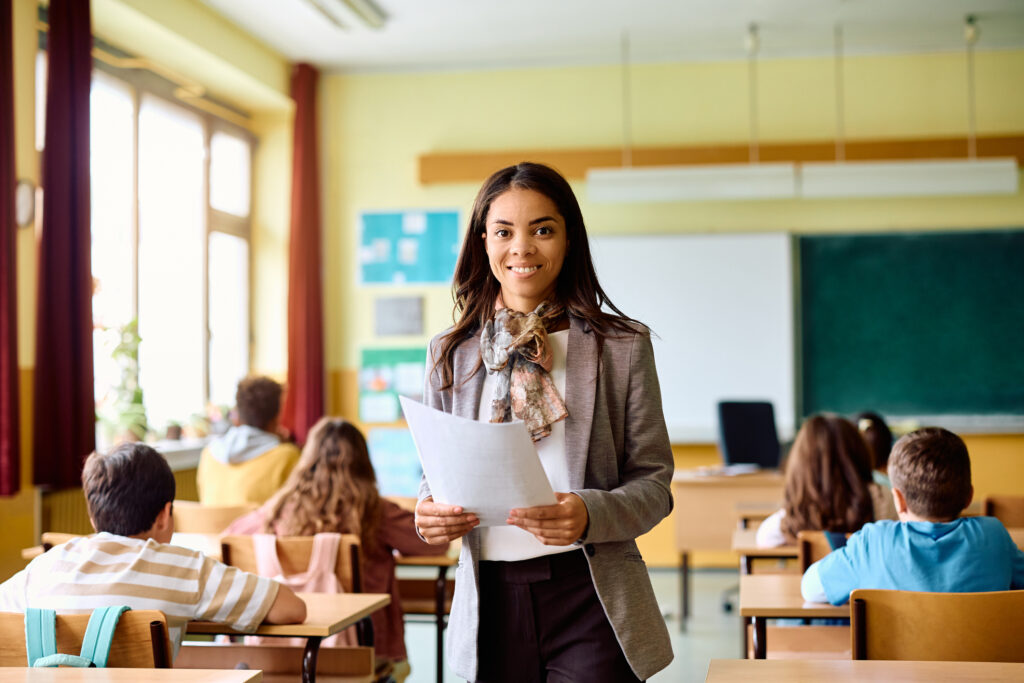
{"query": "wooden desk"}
(744, 544)
(440, 592)
(853, 671)
(1017, 534)
(705, 514)
(776, 596)
(326, 614)
(73, 675)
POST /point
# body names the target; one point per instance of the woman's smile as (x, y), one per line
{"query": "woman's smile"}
(525, 240)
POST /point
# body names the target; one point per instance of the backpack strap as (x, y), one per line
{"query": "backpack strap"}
(267, 561)
(836, 539)
(99, 634)
(324, 556)
(40, 633)
(41, 638)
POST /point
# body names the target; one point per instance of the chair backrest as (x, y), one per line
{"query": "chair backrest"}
(52, 538)
(963, 627)
(1007, 509)
(195, 518)
(811, 546)
(140, 639)
(746, 433)
(294, 553)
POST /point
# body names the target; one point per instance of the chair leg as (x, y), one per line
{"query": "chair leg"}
(684, 590)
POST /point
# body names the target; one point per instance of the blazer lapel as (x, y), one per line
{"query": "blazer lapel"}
(581, 363)
(467, 397)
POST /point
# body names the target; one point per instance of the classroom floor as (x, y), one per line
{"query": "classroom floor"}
(711, 633)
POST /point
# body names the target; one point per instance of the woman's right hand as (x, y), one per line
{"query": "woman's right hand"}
(439, 523)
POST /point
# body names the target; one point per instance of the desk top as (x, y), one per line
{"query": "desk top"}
(69, 675)
(841, 671)
(327, 614)
(778, 595)
(744, 542)
(700, 478)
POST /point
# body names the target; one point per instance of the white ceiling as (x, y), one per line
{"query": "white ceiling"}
(473, 34)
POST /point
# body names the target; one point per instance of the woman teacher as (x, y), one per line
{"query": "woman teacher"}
(561, 592)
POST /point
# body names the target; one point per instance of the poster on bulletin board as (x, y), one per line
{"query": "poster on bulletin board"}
(408, 247)
(395, 462)
(384, 374)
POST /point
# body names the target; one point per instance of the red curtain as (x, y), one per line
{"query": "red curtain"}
(64, 413)
(10, 459)
(304, 396)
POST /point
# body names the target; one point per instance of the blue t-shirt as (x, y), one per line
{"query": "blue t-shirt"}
(967, 555)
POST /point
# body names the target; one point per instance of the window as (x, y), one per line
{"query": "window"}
(170, 249)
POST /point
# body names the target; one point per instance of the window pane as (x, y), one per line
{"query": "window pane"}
(112, 118)
(229, 174)
(229, 315)
(40, 100)
(171, 242)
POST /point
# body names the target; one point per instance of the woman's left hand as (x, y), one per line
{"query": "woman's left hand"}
(560, 524)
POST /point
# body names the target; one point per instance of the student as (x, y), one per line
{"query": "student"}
(334, 489)
(879, 440)
(249, 463)
(129, 494)
(930, 548)
(827, 483)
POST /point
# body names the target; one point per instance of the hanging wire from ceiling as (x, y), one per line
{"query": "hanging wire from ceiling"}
(970, 38)
(627, 121)
(840, 95)
(753, 44)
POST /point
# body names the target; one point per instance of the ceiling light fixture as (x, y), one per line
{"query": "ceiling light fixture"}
(345, 13)
(910, 178)
(753, 180)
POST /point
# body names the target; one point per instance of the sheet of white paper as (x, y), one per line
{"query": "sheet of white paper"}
(486, 468)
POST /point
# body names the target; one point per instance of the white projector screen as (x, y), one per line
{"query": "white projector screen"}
(721, 307)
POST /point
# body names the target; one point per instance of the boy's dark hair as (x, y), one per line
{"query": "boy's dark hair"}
(127, 488)
(933, 470)
(258, 400)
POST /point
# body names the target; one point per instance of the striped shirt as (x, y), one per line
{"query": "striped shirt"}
(106, 569)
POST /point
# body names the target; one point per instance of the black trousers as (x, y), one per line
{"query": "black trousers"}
(541, 622)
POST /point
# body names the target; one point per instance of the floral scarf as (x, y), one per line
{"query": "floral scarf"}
(514, 347)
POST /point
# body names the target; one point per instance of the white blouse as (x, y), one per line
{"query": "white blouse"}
(510, 543)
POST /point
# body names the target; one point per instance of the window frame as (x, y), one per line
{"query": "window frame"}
(143, 82)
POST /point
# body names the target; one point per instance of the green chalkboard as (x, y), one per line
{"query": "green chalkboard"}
(913, 324)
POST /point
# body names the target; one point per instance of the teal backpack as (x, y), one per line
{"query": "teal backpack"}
(41, 638)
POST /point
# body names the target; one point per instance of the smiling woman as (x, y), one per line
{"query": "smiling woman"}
(532, 343)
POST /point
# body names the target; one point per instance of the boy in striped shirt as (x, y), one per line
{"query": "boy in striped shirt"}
(129, 561)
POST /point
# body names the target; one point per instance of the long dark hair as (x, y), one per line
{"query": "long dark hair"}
(474, 287)
(827, 476)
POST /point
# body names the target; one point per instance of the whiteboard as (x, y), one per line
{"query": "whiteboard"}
(721, 309)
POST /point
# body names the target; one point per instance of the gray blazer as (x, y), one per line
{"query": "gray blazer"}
(620, 464)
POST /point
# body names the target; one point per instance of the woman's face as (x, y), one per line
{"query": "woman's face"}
(525, 240)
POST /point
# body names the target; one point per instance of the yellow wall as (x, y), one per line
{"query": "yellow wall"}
(375, 126)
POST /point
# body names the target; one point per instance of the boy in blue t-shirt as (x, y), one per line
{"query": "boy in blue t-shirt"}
(930, 548)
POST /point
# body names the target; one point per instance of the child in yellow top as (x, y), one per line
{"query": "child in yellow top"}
(249, 463)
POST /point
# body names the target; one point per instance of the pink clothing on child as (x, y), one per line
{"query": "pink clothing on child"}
(396, 532)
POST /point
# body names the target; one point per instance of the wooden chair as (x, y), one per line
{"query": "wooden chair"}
(294, 553)
(966, 627)
(811, 547)
(1007, 509)
(191, 517)
(140, 640)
